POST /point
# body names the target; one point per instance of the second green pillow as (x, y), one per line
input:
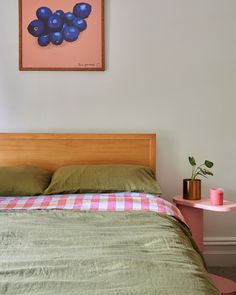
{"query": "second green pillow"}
(103, 178)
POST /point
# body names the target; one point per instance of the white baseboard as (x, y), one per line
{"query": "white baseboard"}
(220, 251)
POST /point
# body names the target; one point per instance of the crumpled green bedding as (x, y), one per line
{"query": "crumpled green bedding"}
(65, 252)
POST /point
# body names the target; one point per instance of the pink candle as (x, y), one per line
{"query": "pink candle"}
(216, 196)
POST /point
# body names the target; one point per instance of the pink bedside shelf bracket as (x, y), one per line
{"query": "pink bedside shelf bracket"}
(192, 212)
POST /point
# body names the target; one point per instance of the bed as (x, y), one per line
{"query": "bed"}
(126, 243)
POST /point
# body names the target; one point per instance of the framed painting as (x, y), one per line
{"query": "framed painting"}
(65, 35)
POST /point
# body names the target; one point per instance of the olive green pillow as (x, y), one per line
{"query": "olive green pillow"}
(103, 178)
(23, 181)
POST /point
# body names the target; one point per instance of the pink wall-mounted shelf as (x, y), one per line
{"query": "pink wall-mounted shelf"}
(206, 205)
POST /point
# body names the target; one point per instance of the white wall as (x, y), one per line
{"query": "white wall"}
(171, 69)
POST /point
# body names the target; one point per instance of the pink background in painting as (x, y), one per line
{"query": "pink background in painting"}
(85, 52)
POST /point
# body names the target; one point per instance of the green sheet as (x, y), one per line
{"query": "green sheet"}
(98, 253)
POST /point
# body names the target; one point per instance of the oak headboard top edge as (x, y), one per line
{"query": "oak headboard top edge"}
(53, 150)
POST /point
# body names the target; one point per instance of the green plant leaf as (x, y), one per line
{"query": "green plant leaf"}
(192, 161)
(209, 164)
(203, 171)
(207, 172)
(199, 173)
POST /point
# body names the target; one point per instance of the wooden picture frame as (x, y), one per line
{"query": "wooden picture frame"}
(75, 44)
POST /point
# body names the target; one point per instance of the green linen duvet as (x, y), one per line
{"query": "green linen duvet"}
(65, 252)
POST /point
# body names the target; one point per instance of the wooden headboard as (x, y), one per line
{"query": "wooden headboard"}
(53, 150)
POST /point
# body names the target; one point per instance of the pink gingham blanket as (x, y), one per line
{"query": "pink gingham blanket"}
(93, 202)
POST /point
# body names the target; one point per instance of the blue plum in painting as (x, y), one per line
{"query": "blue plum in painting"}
(55, 23)
(71, 34)
(65, 25)
(79, 23)
(61, 14)
(44, 40)
(36, 28)
(59, 26)
(82, 10)
(56, 38)
(43, 13)
(69, 16)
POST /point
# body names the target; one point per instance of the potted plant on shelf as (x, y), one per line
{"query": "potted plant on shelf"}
(192, 186)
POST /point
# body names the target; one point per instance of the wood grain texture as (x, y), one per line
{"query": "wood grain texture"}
(53, 150)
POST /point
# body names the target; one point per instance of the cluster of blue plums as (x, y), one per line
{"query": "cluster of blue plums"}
(59, 26)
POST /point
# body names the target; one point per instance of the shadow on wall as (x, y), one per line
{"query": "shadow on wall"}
(169, 161)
